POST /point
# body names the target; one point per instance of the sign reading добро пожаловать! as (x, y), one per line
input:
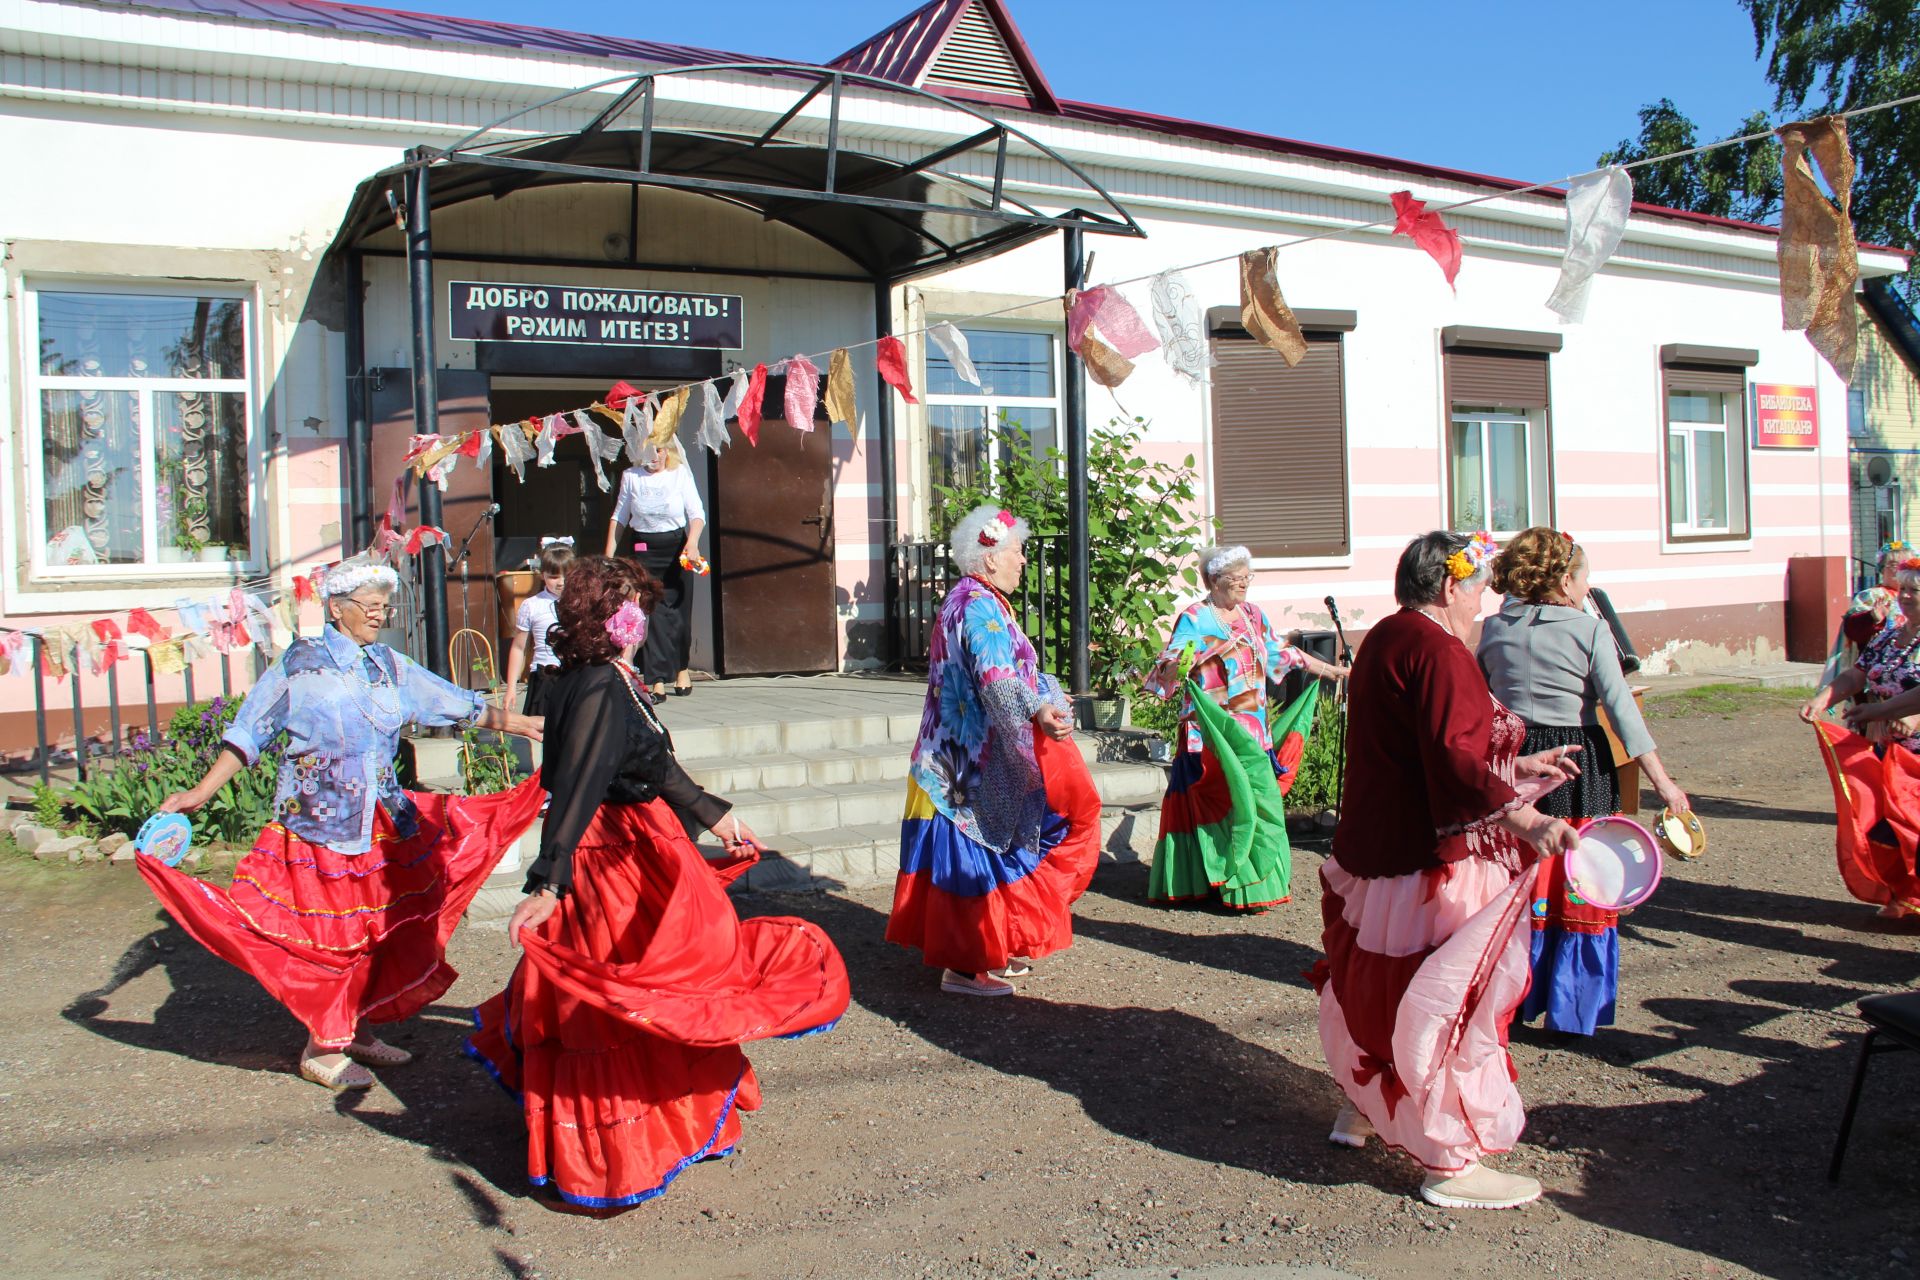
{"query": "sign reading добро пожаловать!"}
(586, 314)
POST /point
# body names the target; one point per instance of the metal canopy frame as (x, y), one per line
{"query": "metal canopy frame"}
(896, 218)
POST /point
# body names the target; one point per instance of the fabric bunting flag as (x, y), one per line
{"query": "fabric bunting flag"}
(515, 450)
(142, 623)
(803, 392)
(288, 614)
(953, 345)
(891, 359)
(470, 445)
(1181, 326)
(1120, 326)
(601, 448)
(713, 422)
(549, 436)
(107, 649)
(425, 536)
(736, 393)
(1264, 312)
(397, 500)
(632, 430)
(195, 648)
(53, 654)
(620, 395)
(1412, 218)
(304, 590)
(1597, 208)
(13, 653)
(169, 657)
(842, 404)
(748, 414)
(1232, 813)
(1819, 259)
(1104, 365)
(666, 419)
(193, 617)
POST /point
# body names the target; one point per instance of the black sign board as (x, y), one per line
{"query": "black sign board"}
(587, 315)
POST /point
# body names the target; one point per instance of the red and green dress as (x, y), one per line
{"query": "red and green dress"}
(1223, 830)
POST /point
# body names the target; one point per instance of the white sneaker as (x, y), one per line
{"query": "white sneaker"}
(1479, 1187)
(1016, 968)
(1350, 1128)
(980, 984)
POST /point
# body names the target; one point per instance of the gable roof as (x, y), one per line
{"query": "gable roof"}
(970, 48)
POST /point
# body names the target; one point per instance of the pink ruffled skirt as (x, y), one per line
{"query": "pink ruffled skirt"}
(1422, 977)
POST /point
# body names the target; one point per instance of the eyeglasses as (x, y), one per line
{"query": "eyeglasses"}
(374, 612)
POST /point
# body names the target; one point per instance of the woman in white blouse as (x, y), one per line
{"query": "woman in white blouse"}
(661, 509)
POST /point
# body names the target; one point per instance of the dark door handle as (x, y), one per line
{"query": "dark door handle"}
(812, 520)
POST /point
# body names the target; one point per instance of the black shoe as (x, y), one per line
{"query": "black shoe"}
(682, 690)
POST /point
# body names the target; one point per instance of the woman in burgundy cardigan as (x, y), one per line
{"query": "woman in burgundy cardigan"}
(1424, 904)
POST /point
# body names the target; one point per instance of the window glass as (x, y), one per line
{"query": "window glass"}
(1469, 477)
(1507, 475)
(1678, 489)
(958, 444)
(1011, 364)
(1705, 480)
(91, 463)
(99, 335)
(1710, 479)
(1499, 469)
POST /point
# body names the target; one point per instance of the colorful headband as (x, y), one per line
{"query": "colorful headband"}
(1470, 559)
(1910, 565)
(555, 542)
(628, 625)
(349, 576)
(1888, 550)
(1224, 558)
(996, 529)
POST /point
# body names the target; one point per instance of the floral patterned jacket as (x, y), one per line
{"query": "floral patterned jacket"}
(974, 757)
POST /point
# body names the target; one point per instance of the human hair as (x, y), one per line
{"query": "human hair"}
(1534, 564)
(1422, 573)
(554, 559)
(672, 454)
(981, 532)
(1907, 572)
(1215, 561)
(596, 588)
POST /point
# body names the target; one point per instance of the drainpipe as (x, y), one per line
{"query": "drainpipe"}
(359, 425)
(889, 490)
(1079, 547)
(426, 402)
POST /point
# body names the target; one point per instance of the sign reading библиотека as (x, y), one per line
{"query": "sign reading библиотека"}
(583, 314)
(1785, 417)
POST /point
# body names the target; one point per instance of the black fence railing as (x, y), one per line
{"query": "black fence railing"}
(923, 572)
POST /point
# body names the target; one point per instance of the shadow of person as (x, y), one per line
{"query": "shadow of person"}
(211, 1012)
(1781, 923)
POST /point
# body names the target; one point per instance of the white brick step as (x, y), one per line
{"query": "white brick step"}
(781, 810)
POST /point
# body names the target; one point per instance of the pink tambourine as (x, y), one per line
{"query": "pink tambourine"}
(1617, 864)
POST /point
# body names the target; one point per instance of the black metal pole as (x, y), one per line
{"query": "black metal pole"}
(426, 405)
(359, 416)
(890, 623)
(1079, 547)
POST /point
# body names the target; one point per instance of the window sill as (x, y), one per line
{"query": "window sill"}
(1263, 563)
(109, 594)
(1706, 545)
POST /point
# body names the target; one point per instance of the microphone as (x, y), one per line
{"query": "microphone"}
(1333, 610)
(493, 510)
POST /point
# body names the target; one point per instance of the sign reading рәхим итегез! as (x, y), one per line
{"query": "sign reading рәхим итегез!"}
(479, 311)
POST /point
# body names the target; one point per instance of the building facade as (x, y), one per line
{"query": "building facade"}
(1883, 430)
(203, 291)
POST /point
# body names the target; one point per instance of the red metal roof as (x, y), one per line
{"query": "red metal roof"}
(905, 51)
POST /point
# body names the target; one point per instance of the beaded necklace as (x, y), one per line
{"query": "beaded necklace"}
(363, 689)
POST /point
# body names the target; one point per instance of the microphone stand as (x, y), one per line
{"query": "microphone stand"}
(1340, 702)
(486, 517)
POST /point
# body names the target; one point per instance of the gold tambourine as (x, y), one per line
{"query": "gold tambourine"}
(1681, 835)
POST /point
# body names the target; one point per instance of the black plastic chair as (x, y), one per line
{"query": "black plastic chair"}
(1897, 1018)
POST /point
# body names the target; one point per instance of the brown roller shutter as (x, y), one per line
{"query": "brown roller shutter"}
(1728, 378)
(1280, 448)
(1497, 379)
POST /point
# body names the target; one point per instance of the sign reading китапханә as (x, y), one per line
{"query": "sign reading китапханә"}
(592, 316)
(1785, 416)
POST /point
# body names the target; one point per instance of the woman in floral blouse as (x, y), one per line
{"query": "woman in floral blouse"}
(1002, 827)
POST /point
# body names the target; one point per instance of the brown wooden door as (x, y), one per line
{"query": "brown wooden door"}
(773, 549)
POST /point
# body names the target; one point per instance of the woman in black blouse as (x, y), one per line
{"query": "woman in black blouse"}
(620, 1030)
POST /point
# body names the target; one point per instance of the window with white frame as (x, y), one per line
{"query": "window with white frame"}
(969, 428)
(1498, 468)
(138, 411)
(1701, 443)
(1886, 512)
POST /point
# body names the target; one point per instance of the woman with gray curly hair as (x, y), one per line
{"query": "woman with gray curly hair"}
(1425, 899)
(1002, 826)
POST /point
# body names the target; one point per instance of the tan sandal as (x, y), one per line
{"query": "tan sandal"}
(377, 1053)
(340, 1077)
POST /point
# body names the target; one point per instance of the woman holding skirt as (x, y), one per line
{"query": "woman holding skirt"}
(620, 1030)
(1001, 833)
(343, 909)
(1425, 898)
(660, 507)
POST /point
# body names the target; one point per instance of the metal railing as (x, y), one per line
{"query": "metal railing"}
(923, 572)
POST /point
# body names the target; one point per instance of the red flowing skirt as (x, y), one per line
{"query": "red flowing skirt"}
(1876, 801)
(343, 939)
(620, 1030)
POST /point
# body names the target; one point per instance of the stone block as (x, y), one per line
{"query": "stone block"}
(28, 836)
(53, 847)
(111, 845)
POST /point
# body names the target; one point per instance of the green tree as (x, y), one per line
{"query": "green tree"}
(1741, 181)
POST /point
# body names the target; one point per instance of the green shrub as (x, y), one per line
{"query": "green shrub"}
(49, 810)
(487, 762)
(1319, 780)
(121, 797)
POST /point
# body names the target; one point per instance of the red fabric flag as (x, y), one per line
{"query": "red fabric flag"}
(425, 536)
(470, 444)
(142, 623)
(111, 650)
(304, 590)
(748, 415)
(1118, 322)
(1412, 219)
(619, 393)
(891, 358)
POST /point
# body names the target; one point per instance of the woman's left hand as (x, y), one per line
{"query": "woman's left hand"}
(1554, 762)
(527, 726)
(1862, 714)
(534, 910)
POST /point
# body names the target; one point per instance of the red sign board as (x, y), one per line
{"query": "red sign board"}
(1785, 417)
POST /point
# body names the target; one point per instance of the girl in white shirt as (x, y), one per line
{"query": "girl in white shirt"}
(661, 509)
(530, 623)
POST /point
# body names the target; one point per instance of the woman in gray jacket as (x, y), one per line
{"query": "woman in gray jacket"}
(1555, 665)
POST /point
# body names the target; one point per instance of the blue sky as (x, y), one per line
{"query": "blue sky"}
(1521, 90)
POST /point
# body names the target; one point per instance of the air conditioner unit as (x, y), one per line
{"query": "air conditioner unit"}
(1879, 471)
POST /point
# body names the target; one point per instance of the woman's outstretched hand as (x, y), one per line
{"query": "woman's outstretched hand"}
(534, 910)
(1053, 722)
(1555, 762)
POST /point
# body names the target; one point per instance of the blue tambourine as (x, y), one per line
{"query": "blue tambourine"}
(166, 836)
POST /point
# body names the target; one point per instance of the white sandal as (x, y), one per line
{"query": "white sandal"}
(340, 1077)
(377, 1053)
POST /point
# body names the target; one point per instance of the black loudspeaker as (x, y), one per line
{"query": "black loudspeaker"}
(1629, 660)
(1322, 645)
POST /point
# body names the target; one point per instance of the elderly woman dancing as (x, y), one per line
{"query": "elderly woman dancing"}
(1222, 830)
(343, 909)
(1425, 898)
(1002, 827)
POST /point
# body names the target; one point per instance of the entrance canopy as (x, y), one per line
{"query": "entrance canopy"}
(894, 217)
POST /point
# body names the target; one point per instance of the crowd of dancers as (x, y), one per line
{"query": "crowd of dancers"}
(1444, 909)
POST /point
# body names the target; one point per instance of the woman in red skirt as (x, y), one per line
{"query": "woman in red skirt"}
(343, 909)
(620, 1030)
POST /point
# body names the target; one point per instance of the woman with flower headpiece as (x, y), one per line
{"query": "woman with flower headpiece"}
(620, 1029)
(343, 909)
(1555, 666)
(1871, 608)
(1002, 827)
(1222, 830)
(1424, 901)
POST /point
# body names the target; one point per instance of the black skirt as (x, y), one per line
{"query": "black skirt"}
(670, 624)
(1597, 790)
(537, 688)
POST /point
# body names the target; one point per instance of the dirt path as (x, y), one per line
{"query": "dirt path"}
(1154, 1102)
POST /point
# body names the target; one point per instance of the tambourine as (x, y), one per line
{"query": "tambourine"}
(1681, 834)
(693, 563)
(1616, 865)
(166, 836)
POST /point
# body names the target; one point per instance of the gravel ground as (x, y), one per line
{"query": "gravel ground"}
(1153, 1104)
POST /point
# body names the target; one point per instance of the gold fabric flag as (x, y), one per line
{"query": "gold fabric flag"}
(54, 651)
(169, 658)
(667, 421)
(433, 457)
(842, 404)
(1819, 259)
(1104, 365)
(1263, 311)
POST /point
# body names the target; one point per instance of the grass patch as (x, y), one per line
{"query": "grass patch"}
(1725, 701)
